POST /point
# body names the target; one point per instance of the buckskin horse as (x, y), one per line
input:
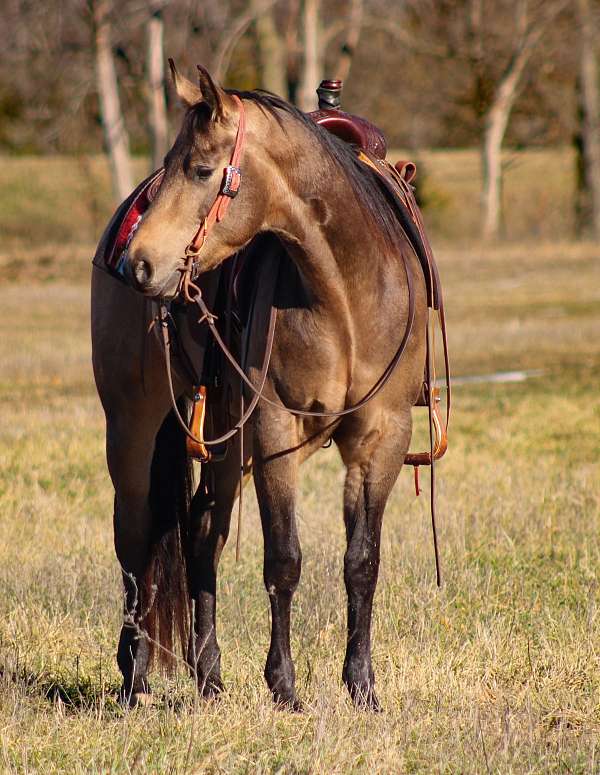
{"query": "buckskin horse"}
(334, 261)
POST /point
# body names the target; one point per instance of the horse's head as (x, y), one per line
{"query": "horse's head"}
(195, 172)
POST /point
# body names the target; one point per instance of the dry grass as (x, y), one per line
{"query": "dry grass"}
(537, 195)
(47, 202)
(497, 672)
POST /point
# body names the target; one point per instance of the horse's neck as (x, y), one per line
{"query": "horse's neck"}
(326, 232)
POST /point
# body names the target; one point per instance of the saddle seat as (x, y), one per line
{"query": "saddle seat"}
(354, 129)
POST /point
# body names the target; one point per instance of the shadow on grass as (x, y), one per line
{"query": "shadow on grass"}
(77, 693)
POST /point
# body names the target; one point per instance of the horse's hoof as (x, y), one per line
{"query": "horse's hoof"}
(297, 706)
(131, 700)
(290, 704)
(364, 698)
(211, 688)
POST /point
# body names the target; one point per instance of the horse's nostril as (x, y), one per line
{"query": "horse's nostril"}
(142, 272)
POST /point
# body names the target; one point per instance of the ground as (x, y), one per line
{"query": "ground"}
(496, 672)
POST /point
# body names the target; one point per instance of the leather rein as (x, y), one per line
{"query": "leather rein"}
(192, 294)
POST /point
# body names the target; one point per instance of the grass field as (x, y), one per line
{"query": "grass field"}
(499, 671)
(56, 200)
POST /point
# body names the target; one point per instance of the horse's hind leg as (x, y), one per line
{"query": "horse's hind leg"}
(128, 368)
(129, 455)
(373, 464)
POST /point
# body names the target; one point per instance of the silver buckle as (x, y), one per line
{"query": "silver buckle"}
(232, 181)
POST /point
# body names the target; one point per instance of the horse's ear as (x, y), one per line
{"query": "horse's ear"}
(211, 93)
(189, 94)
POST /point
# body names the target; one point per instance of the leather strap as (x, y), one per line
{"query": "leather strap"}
(164, 319)
(230, 186)
(405, 193)
(371, 393)
(196, 450)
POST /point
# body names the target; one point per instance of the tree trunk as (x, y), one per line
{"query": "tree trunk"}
(588, 199)
(312, 69)
(498, 114)
(271, 52)
(495, 124)
(352, 37)
(157, 106)
(115, 133)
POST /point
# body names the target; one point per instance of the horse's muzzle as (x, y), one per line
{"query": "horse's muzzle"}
(144, 277)
(141, 274)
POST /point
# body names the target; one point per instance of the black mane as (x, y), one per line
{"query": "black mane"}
(371, 192)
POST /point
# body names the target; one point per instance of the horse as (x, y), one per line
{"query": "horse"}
(347, 288)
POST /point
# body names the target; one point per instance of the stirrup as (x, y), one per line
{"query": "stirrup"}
(196, 450)
(441, 438)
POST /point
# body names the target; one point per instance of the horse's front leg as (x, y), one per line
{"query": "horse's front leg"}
(373, 463)
(275, 477)
(209, 529)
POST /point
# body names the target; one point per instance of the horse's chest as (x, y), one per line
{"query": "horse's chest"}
(309, 368)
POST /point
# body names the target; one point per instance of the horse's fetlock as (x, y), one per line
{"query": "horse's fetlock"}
(359, 679)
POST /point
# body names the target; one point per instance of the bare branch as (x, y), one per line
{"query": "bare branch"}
(229, 41)
(399, 33)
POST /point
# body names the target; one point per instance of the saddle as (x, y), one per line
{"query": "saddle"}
(354, 129)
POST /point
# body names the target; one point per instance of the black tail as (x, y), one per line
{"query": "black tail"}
(168, 618)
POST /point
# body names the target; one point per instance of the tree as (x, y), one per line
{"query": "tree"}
(270, 49)
(489, 45)
(157, 106)
(318, 49)
(353, 30)
(312, 62)
(528, 34)
(231, 34)
(588, 141)
(117, 139)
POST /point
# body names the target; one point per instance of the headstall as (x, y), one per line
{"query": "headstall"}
(230, 186)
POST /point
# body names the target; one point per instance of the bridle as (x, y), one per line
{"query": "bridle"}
(191, 293)
(230, 185)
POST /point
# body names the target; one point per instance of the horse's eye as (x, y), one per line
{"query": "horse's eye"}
(202, 173)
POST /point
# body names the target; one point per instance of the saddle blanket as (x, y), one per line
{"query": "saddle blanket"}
(126, 221)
